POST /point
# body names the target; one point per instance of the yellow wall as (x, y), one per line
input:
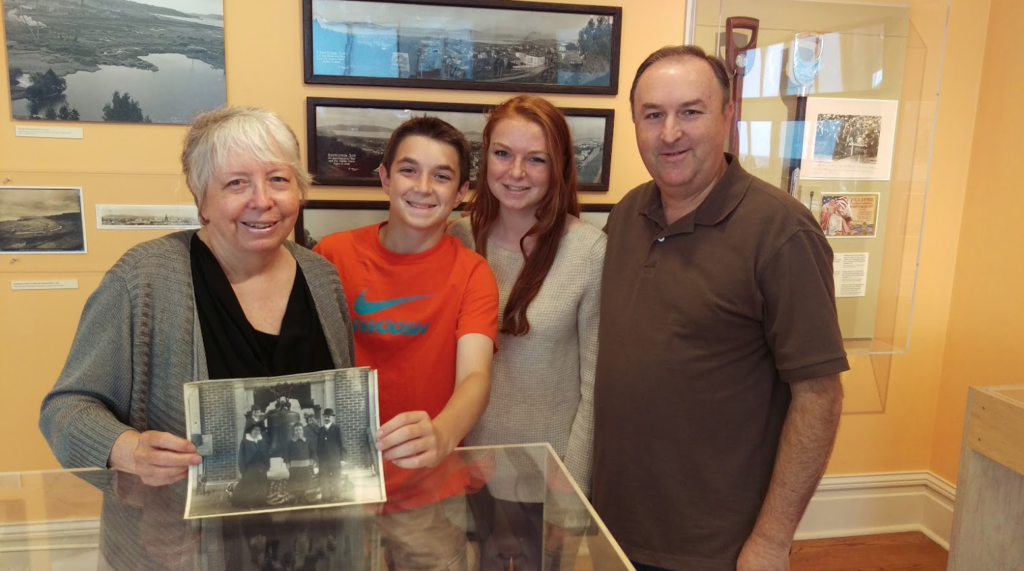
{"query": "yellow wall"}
(986, 316)
(920, 426)
(900, 438)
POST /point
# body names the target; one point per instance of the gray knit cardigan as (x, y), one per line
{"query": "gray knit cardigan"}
(139, 341)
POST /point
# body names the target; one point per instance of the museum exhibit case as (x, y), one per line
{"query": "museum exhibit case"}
(988, 521)
(512, 507)
(834, 103)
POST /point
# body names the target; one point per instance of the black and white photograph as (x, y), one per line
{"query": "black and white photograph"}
(283, 443)
(491, 45)
(848, 138)
(346, 137)
(318, 218)
(146, 216)
(41, 220)
(330, 538)
(127, 61)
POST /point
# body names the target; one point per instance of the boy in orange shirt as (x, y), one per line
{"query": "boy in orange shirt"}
(424, 311)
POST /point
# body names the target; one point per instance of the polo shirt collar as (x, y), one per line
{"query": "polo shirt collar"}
(720, 202)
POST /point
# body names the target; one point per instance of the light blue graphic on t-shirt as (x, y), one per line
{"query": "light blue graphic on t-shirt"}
(363, 306)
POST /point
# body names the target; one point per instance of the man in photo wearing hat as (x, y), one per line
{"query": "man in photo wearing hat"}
(329, 449)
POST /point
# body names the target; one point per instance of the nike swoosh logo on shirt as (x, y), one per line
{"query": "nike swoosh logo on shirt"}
(364, 306)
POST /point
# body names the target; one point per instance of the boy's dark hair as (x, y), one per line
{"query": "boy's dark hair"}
(435, 129)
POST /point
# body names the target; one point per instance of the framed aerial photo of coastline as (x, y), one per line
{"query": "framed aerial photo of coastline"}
(490, 45)
(41, 220)
(128, 61)
(346, 137)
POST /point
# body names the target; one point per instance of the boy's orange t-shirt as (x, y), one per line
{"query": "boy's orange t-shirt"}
(408, 312)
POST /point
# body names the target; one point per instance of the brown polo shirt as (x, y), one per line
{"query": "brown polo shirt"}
(703, 324)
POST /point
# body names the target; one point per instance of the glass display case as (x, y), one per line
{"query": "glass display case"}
(835, 103)
(519, 509)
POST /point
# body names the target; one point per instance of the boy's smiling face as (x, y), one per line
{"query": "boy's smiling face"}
(422, 184)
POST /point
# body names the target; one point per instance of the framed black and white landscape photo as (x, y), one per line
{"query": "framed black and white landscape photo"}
(41, 220)
(128, 61)
(491, 45)
(346, 137)
(319, 218)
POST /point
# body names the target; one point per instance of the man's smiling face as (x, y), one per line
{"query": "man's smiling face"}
(682, 123)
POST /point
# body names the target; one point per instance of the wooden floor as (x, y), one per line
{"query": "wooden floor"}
(891, 552)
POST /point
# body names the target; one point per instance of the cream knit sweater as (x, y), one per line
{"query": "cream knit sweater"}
(542, 387)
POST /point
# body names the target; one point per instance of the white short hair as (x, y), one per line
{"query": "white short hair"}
(257, 133)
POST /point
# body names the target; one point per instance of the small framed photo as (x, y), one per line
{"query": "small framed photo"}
(491, 45)
(346, 137)
(283, 443)
(146, 216)
(849, 214)
(41, 220)
(848, 139)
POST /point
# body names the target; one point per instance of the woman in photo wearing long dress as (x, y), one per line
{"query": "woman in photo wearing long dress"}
(300, 464)
(253, 464)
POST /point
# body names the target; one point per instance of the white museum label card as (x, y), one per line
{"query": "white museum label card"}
(41, 132)
(848, 138)
(850, 273)
(43, 284)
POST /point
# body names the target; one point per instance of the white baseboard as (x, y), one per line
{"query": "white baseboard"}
(846, 506)
(71, 534)
(843, 506)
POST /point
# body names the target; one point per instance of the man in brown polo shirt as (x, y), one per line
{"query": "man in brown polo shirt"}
(717, 396)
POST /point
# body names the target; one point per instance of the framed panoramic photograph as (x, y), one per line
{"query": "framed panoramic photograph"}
(146, 216)
(346, 137)
(490, 45)
(127, 61)
(318, 218)
(41, 220)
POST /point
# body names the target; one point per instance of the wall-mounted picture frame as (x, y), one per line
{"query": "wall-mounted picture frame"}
(42, 220)
(346, 137)
(138, 61)
(490, 45)
(146, 216)
(318, 218)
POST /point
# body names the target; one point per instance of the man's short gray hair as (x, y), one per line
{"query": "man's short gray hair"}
(718, 68)
(250, 131)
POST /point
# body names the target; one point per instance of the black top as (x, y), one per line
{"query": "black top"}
(234, 348)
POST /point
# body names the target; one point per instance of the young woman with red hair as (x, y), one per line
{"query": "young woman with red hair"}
(524, 219)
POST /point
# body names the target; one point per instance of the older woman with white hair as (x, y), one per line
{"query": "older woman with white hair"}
(234, 299)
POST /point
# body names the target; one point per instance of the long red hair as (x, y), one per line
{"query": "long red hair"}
(560, 200)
